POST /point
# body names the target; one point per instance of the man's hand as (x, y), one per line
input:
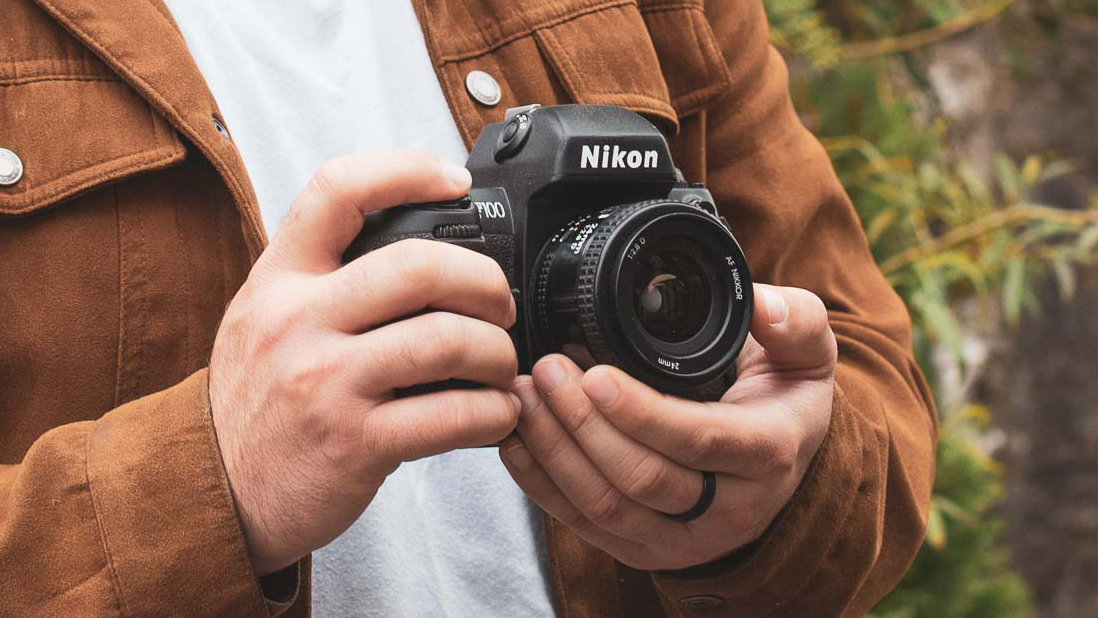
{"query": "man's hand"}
(308, 355)
(607, 455)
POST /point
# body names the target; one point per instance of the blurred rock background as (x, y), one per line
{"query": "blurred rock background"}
(966, 132)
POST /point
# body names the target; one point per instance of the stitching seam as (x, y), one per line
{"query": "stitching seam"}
(54, 77)
(115, 583)
(253, 229)
(137, 162)
(524, 32)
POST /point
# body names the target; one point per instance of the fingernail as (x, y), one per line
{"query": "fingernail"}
(601, 388)
(776, 307)
(457, 174)
(548, 376)
(517, 456)
(516, 402)
(513, 313)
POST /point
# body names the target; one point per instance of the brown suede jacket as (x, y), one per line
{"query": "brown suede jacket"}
(134, 223)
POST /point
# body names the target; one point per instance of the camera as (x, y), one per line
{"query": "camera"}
(611, 256)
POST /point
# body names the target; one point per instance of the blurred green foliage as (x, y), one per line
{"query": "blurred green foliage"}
(946, 237)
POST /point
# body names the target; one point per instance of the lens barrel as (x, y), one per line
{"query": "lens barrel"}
(659, 288)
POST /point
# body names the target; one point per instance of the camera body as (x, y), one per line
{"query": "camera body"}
(611, 256)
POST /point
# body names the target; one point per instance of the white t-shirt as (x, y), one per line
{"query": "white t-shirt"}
(299, 83)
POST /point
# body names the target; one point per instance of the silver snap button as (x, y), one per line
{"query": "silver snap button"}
(11, 168)
(702, 601)
(483, 87)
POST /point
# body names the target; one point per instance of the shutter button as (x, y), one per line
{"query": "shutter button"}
(11, 168)
(483, 87)
(702, 601)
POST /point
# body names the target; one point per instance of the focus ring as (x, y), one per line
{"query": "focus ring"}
(588, 277)
(541, 301)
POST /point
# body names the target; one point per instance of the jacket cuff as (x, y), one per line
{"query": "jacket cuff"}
(166, 519)
(805, 546)
(280, 588)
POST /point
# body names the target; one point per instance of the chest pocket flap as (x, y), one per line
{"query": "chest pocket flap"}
(658, 58)
(655, 57)
(73, 128)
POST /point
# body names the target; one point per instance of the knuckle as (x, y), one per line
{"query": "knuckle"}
(709, 445)
(780, 456)
(343, 441)
(419, 261)
(476, 414)
(607, 509)
(648, 481)
(499, 289)
(375, 456)
(553, 446)
(575, 520)
(302, 381)
(448, 338)
(577, 421)
(360, 273)
(279, 322)
(815, 314)
(504, 416)
(510, 355)
(325, 179)
(494, 276)
(457, 415)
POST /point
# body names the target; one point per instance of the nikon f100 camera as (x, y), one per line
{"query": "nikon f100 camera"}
(612, 257)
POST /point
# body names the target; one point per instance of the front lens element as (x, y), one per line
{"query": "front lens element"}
(671, 294)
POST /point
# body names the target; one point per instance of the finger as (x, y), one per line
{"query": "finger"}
(327, 215)
(430, 348)
(584, 485)
(638, 471)
(791, 325)
(411, 275)
(752, 441)
(679, 548)
(415, 427)
(535, 482)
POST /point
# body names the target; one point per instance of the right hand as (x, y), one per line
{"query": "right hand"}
(309, 353)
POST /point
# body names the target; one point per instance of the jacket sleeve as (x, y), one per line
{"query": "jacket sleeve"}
(128, 515)
(856, 522)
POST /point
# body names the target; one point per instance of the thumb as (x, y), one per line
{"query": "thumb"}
(791, 325)
(328, 214)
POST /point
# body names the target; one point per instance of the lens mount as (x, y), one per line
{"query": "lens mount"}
(659, 288)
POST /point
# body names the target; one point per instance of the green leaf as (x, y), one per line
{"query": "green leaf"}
(880, 223)
(1007, 174)
(1088, 240)
(1056, 169)
(1065, 278)
(1031, 170)
(936, 530)
(942, 323)
(973, 182)
(956, 511)
(1014, 289)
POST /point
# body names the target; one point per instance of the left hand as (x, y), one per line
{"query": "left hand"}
(606, 455)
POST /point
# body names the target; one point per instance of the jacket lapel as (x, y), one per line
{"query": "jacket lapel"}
(140, 41)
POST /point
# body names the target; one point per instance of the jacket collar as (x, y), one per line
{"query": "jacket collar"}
(141, 42)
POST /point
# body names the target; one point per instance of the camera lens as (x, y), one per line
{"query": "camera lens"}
(658, 288)
(671, 294)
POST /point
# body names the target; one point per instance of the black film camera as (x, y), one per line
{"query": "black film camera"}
(611, 256)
